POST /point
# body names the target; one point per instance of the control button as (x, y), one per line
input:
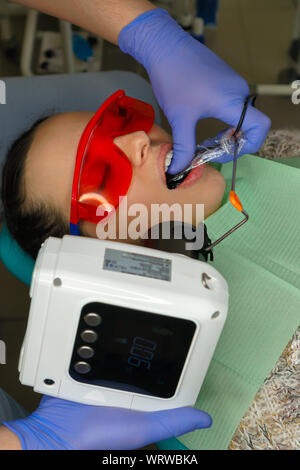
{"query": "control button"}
(49, 382)
(89, 336)
(92, 319)
(82, 367)
(86, 352)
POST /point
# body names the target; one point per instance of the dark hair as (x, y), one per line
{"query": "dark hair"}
(29, 222)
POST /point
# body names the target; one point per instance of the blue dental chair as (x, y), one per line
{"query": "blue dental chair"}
(28, 99)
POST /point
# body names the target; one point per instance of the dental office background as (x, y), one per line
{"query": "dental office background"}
(260, 39)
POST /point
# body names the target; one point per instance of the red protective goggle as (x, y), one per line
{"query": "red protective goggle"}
(102, 171)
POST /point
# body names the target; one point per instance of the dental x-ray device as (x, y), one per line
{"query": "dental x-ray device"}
(114, 324)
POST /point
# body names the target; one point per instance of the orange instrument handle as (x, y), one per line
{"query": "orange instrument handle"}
(235, 201)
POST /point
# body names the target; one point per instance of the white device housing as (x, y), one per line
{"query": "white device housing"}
(69, 273)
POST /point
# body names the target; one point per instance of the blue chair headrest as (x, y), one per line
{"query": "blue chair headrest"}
(14, 258)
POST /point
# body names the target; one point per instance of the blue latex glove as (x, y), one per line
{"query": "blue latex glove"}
(61, 424)
(190, 83)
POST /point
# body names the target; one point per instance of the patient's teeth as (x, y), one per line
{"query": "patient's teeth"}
(168, 159)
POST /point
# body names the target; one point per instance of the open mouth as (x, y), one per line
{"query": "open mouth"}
(174, 184)
(186, 179)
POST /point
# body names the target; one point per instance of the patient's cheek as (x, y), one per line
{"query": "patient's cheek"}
(129, 218)
(215, 187)
(88, 229)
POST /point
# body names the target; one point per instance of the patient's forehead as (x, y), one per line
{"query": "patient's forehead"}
(51, 158)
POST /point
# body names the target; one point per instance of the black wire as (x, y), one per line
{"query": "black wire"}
(235, 134)
(240, 123)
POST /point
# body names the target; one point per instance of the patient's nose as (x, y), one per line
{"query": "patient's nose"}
(136, 146)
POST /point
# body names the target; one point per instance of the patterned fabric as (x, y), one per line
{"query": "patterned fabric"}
(281, 143)
(272, 422)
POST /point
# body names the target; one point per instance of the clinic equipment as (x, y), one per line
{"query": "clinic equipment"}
(86, 52)
(120, 325)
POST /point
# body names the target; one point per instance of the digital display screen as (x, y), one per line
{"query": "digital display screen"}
(132, 350)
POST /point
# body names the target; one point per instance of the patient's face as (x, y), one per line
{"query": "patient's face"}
(51, 160)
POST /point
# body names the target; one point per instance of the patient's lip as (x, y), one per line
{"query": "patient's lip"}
(194, 175)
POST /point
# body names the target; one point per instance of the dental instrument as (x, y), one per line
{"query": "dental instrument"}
(233, 197)
(231, 141)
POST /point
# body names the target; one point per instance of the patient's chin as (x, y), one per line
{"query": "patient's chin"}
(215, 191)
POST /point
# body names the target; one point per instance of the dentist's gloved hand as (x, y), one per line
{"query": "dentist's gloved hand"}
(190, 83)
(61, 424)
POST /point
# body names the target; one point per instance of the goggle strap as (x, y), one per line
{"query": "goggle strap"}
(74, 229)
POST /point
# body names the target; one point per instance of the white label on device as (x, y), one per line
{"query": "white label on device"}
(135, 263)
